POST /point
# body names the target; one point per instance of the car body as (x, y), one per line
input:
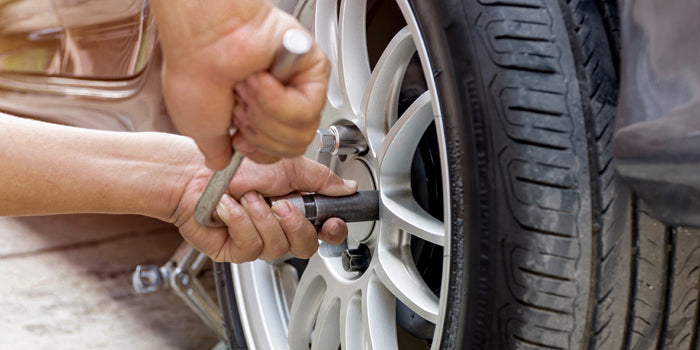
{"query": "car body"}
(657, 136)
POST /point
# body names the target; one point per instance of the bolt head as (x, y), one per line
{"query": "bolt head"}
(324, 141)
(356, 260)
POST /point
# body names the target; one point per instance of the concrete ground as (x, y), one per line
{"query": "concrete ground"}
(65, 283)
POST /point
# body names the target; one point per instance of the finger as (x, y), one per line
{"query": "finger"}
(262, 158)
(275, 244)
(309, 176)
(297, 103)
(257, 147)
(273, 146)
(284, 141)
(333, 231)
(285, 106)
(310, 79)
(216, 150)
(201, 108)
(300, 233)
(240, 144)
(212, 242)
(247, 243)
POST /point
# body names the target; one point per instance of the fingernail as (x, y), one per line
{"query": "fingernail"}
(336, 230)
(281, 209)
(350, 184)
(223, 207)
(251, 197)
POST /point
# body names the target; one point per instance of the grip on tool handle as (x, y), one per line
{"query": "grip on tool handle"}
(295, 44)
(360, 206)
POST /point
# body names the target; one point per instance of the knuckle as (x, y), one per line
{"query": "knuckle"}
(325, 62)
(330, 177)
(239, 259)
(309, 119)
(296, 152)
(304, 255)
(244, 254)
(218, 258)
(294, 225)
(279, 249)
(237, 214)
(244, 258)
(256, 246)
(308, 137)
(310, 251)
(253, 205)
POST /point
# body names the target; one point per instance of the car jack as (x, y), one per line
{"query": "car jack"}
(180, 275)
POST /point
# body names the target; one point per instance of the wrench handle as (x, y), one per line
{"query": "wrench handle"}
(295, 44)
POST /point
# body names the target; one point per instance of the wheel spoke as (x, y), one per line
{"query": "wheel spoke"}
(327, 331)
(351, 326)
(399, 208)
(326, 34)
(396, 151)
(286, 280)
(305, 307)
(381, 97)
(398, 273)
(379, 311)
(352, 51)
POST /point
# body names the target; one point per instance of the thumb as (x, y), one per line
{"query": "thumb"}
(309, 176)
(345, 188)
(216, 150)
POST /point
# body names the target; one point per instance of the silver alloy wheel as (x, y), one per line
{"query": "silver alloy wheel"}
(326, 306)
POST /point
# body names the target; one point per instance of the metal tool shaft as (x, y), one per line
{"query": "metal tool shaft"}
(205, 210)
(295, 44)
(360, 206)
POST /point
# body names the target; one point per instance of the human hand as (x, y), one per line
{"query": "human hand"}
(254, 230)
(214, 49)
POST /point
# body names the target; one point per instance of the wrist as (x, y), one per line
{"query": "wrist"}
(180, 163)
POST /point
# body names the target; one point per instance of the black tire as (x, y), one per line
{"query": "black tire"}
(235, 339)
(548, 252)
(548, 249)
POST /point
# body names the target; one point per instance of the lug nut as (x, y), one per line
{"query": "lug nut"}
(340, 140)
(325, 141)
(356, 260)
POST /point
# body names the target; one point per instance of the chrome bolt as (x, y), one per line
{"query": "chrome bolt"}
(356, 260)
(325, 141)
(340, 140)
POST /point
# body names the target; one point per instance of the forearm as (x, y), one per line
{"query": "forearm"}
(52, 169)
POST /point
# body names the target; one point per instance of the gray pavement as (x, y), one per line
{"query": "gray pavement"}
(65, 283)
